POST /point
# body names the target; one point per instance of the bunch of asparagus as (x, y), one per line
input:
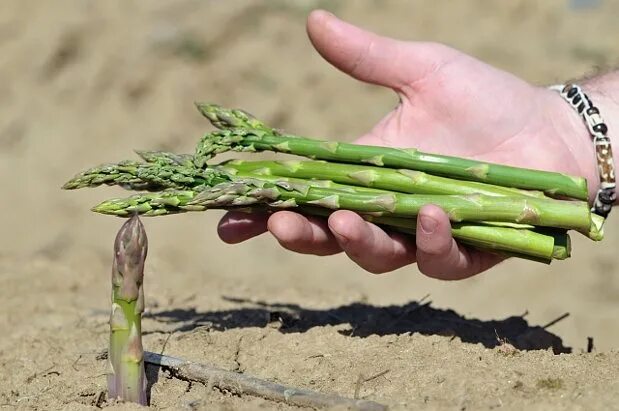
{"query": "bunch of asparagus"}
(506, 210)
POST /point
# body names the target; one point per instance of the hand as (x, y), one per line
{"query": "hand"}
(450, 103)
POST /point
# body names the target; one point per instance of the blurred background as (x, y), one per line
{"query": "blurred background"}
(86, 82)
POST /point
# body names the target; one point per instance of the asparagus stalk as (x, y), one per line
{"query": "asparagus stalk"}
(511, 241)
(238, 134)
(149, 204)
(126, 377)
(344, 189)
(524, 243)
(521, 242)
(246, 191)
(402, 180)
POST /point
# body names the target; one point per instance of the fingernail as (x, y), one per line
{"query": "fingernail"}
(428, 224)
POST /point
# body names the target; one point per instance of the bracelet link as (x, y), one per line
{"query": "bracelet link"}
(604, 154)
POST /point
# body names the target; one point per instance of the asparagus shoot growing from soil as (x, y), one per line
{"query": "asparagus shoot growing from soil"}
(126, 375)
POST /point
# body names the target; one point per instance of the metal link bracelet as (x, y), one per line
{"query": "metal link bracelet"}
(606, 195)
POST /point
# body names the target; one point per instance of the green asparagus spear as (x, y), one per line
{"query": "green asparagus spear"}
(521, 242)
(126, 378)
(402, 180)
(538, 247)
(245, 191)
(238, 135)
(525, 243)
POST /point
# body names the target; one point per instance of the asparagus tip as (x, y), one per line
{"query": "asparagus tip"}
(226, 118)
(208, 110)
(69, 185)
(131, 238)
(130, 249)
(109, 207)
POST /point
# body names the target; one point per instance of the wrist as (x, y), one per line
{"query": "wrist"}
(609, 110)
(592, 125)
(601, 92)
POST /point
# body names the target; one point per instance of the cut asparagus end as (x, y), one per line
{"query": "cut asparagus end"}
(596, 232)
(562, 249)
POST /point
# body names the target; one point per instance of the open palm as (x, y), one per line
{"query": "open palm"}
(450, 103)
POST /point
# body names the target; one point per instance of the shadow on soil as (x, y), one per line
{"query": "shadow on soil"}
(365, 319)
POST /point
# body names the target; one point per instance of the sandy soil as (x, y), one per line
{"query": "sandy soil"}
(85, 82)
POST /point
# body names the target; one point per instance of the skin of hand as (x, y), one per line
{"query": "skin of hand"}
(449, 103)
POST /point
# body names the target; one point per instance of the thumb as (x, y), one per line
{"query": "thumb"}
(369, 57)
